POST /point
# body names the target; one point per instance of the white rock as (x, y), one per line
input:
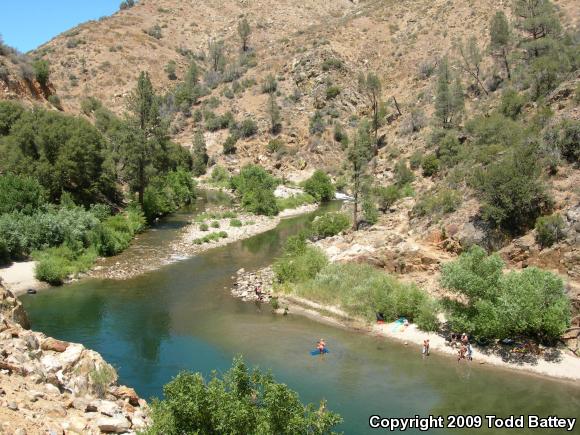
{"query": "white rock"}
(71, 355)
(106, 407)
(51, 389)
(117, 424)
(51, 363)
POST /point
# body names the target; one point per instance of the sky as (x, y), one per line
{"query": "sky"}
(26, 24)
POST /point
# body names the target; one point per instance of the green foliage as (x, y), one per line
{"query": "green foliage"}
(340, 136)
(317, 124)
(236, 223)
(329, 224)
(386, 196)
(56, 264)
(332, 92)
(126, 4)
(248, 128)
(200, 158)
(229, 146)
(565, 137)
(215, 224)
(20, 194)
(530, 303)
(204, 227)
(41, 72)
(512, 193)
(449, 149)
(10, 112)
(320, 186)
(256, 190)
(220, 176)
(512, 103)
(270, 84)
(113, 235)
(549, 230)
(403, 175)
(300, 262)
(442, 202)
(369, 209)
(238, 403)
(430, 165)
(449, 99)
(166, 194)
(244, 30)
(90, 105)
(274, 145)
(332, 63)
(211, 237)
(294, 201)
(154, 31)
(363, 291)
(416, 159)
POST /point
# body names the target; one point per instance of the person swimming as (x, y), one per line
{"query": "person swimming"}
(321, 346)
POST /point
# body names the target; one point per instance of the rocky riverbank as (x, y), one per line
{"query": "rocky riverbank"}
(48, 386)
(254, 286)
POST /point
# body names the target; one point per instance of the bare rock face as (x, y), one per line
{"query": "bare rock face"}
(68, 388)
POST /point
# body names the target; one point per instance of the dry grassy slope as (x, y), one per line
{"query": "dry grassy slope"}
(14, 85)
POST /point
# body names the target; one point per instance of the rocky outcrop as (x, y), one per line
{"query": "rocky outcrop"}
(254, 286)
(53, 386)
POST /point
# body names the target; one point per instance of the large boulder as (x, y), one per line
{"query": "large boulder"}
(117, 424)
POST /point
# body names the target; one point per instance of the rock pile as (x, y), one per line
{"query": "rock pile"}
(254, 286)
(53, 386)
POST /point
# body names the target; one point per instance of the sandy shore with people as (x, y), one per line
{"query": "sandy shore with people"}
(19, 277)
(558, 363)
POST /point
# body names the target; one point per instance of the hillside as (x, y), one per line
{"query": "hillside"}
(306, 57)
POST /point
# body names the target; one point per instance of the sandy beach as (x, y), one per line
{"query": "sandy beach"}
(19, 277)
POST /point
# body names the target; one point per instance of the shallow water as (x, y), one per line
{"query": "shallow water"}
(183, 317)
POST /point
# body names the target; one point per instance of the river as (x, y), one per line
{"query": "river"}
(182, 316)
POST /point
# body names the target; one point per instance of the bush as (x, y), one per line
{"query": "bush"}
(236, 223)
(240, 401)
(549, 230)
(215, 224)
(317, 124)
(332, 92)
(513, 195)
(229, 146)
(430, 165)
(442, 202)
(449, 150)
(294, 201)
(332, 63)
(386, 196)
(154, 32)
(299, 265)
(270, 84)
(204, 227)
(403, 175)
(248, 128)
(20, 194)
(274, 146)
(220, 175)
(114, 234)
(56, 264)
(166, 194)
(416, 159)
(126, 4)
(531, 303)
(567, 139)
(330, 224)
(512, 103)
(320, 186)
(54, 100)
(256, 190)
(41, 72)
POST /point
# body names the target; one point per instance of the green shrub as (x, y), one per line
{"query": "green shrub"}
(403, 175)
(332, 92)
(549, 230)
(320, 186)
(332, 63)
(4, 252)
(370, 211)
(41, 72)
(416, 159)
(430, 165)
(386, 196)
(512, 103)
(294, 201)
(220, 175)
(230, 144)
(56, 264)
(274, 146)
(270, 84)
(166, 194)
(248, 128)
(204, 227)
(530, 303)
(21, 194)
(256, 190)
(512, 193)
(449, 149)
(114, 234)
(239, 401)
(330, 224)
(236, 223)
(433, 204)
(215, 224)
(294, 267)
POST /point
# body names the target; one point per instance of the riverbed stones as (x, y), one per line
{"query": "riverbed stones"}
(254, 286)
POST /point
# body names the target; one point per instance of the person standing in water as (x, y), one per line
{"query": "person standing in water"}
(426, 347)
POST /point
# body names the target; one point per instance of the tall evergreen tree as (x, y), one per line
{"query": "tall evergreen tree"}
(370, 86)
(449, 100)
(199, 154)
(359, 155)
(274, 113)
(537, 19)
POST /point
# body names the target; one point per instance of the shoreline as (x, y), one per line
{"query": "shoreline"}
(19, 277)
(567, 369)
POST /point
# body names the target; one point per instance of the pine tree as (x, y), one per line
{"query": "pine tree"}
(199, 154)
(537, 19)
(471, 59)
(274, 113)
(449, 100)
(370, 86)
(500, 40)
(359, 155)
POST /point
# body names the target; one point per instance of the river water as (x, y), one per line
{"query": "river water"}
(182, 317)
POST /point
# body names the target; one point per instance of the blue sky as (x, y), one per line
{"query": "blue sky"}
(26, 24)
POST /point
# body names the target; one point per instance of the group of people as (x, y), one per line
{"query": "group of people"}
(465, 350)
